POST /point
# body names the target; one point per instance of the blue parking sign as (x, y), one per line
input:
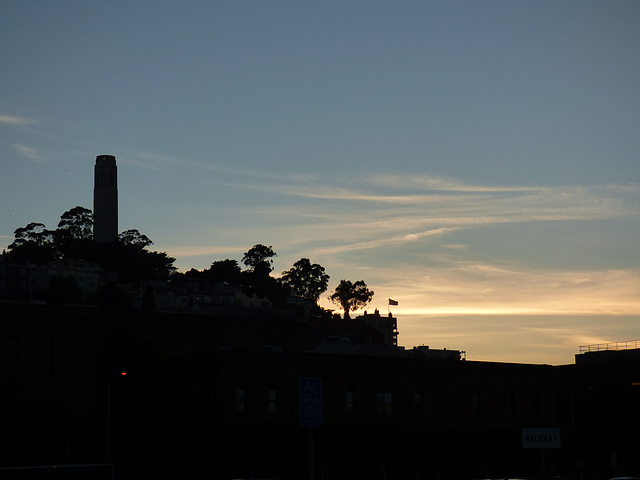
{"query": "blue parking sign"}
(310, 402)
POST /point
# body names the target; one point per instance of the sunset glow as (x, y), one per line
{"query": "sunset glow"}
(477, 162)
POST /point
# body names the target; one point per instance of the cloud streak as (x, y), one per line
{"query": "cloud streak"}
(427, 226)
(14, 120)
(29, 152)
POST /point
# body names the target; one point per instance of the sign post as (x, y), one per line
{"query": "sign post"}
(541, 439)
(310, 400)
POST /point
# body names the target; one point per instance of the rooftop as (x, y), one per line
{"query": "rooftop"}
(615, 346)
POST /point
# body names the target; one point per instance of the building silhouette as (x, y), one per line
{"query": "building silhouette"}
(212, 392)
(212, 383)
(105, 199)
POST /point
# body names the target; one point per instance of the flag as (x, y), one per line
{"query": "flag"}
(392, 302)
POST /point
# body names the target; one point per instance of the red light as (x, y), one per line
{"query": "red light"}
(123, 373)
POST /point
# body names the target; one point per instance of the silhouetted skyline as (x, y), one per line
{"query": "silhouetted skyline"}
(476, 162)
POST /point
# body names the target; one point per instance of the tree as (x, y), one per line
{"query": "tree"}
(258, 259)
(34, 232)
(306, 280)
(155, 265)
(225, 271)
(130, 259)
(351, 296)
(77, 224)
(33, 242)
(74, 235)
(257, 279)
(134, 239)
(128, 256)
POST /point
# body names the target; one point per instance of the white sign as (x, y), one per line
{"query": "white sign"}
(541, 438)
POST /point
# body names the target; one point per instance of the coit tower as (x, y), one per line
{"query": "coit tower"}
(105, 199)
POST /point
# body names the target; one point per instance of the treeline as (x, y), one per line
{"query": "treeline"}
(133, 263)
(128, 256)
(303, 280)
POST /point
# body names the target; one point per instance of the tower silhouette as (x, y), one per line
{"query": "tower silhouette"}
(105, 199)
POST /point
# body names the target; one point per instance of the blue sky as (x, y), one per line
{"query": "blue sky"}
(476, 161)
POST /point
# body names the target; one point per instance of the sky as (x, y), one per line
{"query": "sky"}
(476, 161)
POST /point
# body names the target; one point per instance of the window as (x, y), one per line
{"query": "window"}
(384, 402)
(272, 399)
(7, 356)
(350, 402)
(241, 399)
(38, 357)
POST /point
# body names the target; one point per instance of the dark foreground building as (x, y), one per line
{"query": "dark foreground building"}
(174, 396)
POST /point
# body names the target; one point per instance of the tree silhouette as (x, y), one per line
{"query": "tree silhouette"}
(306, 280)
(74, 236)
(128, 256)
(134, 239)
(258, 259)
(257, 279)
(33, 242)
(224, 271)
(77, 223)
(351, 296)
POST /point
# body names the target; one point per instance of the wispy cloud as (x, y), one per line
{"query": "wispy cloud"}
(437, 184)
(14, 120)
(494, 204)
(345, 225)
(381, 242)
(29, 152)
(427, 225)
(401, 190)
